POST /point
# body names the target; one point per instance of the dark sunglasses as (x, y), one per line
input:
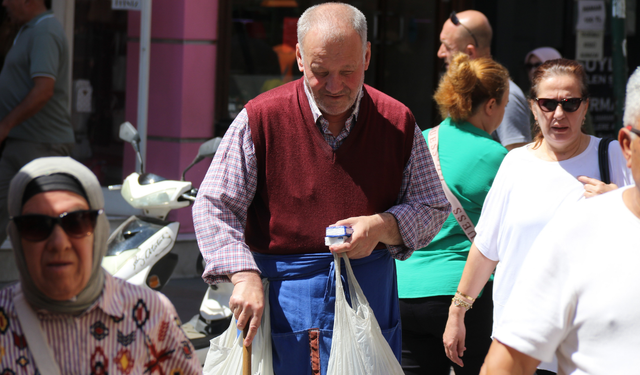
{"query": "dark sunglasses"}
(454, 19)
(633, 130)
(530, 66)
(76, 224)
(568, 105)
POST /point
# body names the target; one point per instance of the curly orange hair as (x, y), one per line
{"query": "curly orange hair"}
(467, 84)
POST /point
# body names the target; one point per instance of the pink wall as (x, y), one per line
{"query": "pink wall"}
(180, 19)
(181, 89)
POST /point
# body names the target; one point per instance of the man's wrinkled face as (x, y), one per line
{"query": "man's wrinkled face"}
(449, 42)
(333, 70)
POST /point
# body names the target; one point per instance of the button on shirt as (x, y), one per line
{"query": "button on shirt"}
(220, 212)
(129, 330)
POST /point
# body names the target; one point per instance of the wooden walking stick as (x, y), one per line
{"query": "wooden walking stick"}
(246, 353)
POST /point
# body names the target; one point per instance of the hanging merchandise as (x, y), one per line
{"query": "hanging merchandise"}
(358, 347)
(225, 352)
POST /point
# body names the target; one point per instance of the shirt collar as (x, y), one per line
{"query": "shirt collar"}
(316, 111)
(466, 126)
(109, 301)
(39, 18)
(34, 21)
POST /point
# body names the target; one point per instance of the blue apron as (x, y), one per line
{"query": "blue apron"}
(302, 297)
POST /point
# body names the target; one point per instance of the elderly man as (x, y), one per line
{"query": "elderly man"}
(325, 149)
(34, 94)
(470, 32)
(67, 315)
(572, 297)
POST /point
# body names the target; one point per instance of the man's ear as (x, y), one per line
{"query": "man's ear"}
(624, 138)
(299, 58)
(471, 50)
(367, 56)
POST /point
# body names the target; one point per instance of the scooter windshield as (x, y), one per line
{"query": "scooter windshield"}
(132, 236)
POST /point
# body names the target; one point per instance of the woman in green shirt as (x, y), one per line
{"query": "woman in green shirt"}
(471, 96)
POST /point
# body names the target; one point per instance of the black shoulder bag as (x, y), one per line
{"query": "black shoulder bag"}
(603, 159)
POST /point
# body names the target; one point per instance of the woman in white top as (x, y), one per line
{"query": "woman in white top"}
(560, 167)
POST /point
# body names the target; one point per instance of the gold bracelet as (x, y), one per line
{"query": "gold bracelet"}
(461, 303)
(465, 296)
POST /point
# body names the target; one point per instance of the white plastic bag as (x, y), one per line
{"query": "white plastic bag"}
(225, 352)
(358, 347)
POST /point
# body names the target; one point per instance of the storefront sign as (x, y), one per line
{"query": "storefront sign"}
(589, 44)
(591, 15)
(601, 102)
(590, 29)
(126, 4)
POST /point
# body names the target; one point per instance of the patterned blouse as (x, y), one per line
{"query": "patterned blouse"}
(128, 330)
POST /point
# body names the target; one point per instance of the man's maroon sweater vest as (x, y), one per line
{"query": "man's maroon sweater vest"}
(303, 185)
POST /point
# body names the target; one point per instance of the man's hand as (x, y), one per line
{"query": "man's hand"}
(247, 302)
(593, 187)
(37, 97)
(367, 232)
(454, 335)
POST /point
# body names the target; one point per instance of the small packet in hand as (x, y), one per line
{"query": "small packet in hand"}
(337, 235)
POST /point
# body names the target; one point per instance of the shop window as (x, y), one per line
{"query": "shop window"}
(262, 49)
(98, 87)
(257, 51)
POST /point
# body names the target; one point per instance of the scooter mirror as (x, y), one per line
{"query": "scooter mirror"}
(128, 133)
(209, 148)
(206, 150)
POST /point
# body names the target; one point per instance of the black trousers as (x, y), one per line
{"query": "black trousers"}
(423, 323)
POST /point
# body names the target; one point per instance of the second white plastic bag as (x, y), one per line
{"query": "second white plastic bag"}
(358, 346)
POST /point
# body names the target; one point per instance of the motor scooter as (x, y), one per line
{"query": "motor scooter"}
(139, 250)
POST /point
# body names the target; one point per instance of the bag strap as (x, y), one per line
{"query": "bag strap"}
(41, 351)
(603, 159)
(456, 208)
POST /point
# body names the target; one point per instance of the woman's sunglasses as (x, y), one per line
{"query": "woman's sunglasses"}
(76, 224)
(568, 105)
(529, 66)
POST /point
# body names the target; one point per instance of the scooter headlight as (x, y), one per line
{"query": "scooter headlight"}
(158, 198)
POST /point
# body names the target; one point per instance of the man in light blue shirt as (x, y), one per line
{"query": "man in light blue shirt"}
(34, 94)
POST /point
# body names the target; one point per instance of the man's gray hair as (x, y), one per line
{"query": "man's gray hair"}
(329, 22)
(632, 101)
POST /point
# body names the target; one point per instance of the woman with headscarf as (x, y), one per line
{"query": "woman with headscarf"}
(67, 315)
(536, 57)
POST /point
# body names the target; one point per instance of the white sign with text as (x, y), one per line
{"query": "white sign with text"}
(591, 15)
(589, 45)
(126, 4)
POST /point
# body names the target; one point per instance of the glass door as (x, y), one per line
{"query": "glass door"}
(258, 51)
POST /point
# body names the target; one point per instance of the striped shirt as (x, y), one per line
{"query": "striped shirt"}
(128, 330)
(220, 211)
